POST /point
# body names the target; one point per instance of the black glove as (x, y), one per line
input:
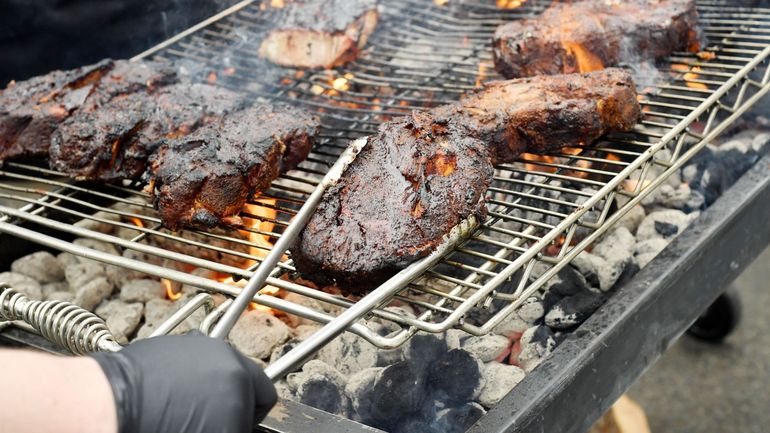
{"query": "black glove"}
(189, 383)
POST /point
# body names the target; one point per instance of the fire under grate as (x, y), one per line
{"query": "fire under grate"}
(544, 210)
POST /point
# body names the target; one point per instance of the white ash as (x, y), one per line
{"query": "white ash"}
(316, 366)
(59, 286)
(67, 259)
(358, 388)
(664, 223)
(458, 419)
(536, 343)
(632, 218)
(23, 284)
(500, 380)
(302, 332)
(306, 301)
(90, 294)
(97, 245)
(454, 338)
(486, 347)
(80, 274)
(513, 324)
(571, 311)
(349, 353)
(122, 318)
(142, 290)
(61, 296)
(99, 226)
(41, 266)
(646, 250)
(257, 333)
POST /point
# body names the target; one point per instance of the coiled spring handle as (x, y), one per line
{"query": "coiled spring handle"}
(62, 323)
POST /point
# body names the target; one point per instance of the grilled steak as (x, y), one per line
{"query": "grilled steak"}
(31, 110)
(320, 33)
(423, 173)
(593, 34)
(114, 142)
(204, 179)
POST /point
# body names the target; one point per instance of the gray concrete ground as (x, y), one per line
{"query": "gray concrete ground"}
(702, 388)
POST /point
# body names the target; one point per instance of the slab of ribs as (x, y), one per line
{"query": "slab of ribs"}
(591, 35)
(422, 174)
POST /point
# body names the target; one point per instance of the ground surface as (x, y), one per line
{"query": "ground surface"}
(702, 388)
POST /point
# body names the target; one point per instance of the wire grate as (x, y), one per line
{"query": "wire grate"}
(544, 209)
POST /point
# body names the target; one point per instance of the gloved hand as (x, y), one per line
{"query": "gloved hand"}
(190, 383)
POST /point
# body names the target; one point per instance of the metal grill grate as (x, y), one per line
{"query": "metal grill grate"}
(544, 210)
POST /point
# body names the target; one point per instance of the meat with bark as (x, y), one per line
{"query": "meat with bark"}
(31, 110)
(320, 33)
(593, 34)
(115, 141)
(204, 179)
(424, 173)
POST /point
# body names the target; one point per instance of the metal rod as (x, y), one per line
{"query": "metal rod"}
(286, 363)
(259, 277)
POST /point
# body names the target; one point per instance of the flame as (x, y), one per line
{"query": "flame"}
(136, 221)
(482, 74)
(538, 158)
(170, 293)
(440, 2)
(586, 60)
(267, 290)
(278, 4)
(260, 218)
(690, 75)
(341, 84)
(509, 4)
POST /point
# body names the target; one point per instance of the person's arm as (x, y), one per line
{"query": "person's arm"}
(180, 384)
(48, 393)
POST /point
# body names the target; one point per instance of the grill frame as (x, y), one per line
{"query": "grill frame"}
(721, 223)
(527, 256)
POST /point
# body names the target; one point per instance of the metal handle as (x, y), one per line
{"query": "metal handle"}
(61, 323)
(257, 280)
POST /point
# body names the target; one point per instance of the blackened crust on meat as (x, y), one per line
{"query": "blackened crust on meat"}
(414, 181)
(424, 173)
(205, 178)
(543, 113)
(320, 33)
(591, 34)
(115, 141)
(30, 110)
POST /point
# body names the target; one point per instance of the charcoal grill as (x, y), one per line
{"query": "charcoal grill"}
(543, 212)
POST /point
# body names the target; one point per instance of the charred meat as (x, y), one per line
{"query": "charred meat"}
(115, 141)
(320, 33)
(31, 110)
(593, 34)
(204, 179)
(424, 173)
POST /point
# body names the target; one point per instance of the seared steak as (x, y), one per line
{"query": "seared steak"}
(320, 33)
(204, 179)
(114, 142)
(593, 34)
(424, 173)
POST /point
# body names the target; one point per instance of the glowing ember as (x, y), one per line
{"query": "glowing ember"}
(170, 292)
(316, 89)
(212, 78)
(229, 71)
(136, 221)
(277, 4)
(631, 185)
(538, 158)
(340, 84)
(690, 75)
(509, 4)
(440, 2)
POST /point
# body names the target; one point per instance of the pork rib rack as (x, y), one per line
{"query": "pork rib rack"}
(592, 34)
(422, 174)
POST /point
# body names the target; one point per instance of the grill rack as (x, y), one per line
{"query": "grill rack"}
(701, 98)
